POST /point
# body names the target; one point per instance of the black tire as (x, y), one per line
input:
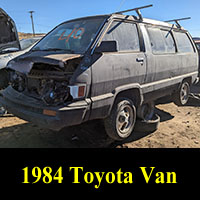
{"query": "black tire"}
(146, 111)
(120, 124)
(181, 97)
(147, 125)
(4, 79)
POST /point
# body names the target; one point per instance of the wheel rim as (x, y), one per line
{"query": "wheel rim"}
(184, 94)
(125, 120)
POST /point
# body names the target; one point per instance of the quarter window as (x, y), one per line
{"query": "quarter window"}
(183, 42)
(169, 41)
(161, 41)
(126, 35)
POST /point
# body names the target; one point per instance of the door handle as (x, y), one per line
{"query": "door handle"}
(140, 60)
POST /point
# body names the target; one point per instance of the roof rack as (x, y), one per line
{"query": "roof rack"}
(177, 21)
(137, 10)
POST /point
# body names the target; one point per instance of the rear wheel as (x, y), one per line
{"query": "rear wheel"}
(182, 96)
(120, 124)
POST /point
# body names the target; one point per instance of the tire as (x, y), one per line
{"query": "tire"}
(182, 96)
(146, 111)
(4, 79)
(147, 125)
(120, 124)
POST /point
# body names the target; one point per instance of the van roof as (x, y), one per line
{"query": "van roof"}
(145, 20)
(132, 18)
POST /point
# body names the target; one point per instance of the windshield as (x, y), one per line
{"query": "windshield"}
(74, 37)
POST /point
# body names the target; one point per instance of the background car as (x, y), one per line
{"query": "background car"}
(10, 53)
(10, 46)
(197, 42)
(26, 44)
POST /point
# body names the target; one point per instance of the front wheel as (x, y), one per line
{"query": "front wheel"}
(120, 124)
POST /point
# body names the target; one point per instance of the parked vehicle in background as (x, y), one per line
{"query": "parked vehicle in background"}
(10, 47)
(9, 41)
(27, 44)
(197, 42)
(111, 67)
(8, 54)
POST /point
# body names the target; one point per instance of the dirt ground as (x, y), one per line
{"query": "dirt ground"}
(179, 128)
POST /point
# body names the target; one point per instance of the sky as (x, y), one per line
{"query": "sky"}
(50, 13)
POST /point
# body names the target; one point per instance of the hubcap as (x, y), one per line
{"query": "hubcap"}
(184, 94)
(125, 119)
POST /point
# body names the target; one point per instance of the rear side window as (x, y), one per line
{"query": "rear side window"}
(169, 41)
(126, 34)
(161, 41)
(184, 44)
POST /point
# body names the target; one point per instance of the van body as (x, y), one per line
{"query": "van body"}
(89, 68)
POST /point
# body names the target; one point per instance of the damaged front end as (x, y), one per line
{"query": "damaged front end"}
(50, 84)
(46, 81)
(40, 92)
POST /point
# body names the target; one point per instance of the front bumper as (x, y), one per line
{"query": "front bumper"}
(32, 110)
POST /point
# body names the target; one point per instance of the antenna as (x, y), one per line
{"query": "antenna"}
(137, 10)
(177, 21)
(121, 4)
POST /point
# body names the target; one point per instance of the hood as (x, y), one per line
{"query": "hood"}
(24, 63)
(8, 32)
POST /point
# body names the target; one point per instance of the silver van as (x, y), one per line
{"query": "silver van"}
(111, 67)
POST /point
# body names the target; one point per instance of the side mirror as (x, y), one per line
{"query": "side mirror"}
(107, 46)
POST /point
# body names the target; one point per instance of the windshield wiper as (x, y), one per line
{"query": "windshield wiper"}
(56, 49)
(50, 49)
(53, 49)
(36, 49)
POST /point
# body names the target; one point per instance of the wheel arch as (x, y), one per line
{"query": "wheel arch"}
(134, 93)
(188, 79)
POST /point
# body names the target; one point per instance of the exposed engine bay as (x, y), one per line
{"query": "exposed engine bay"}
(46, 82)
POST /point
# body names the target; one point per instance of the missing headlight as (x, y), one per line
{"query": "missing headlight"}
(17, 81)
(55, 93)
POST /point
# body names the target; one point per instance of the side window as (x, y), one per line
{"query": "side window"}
(183, 42)
(161, 41)
(169, 41)
(126, 34)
